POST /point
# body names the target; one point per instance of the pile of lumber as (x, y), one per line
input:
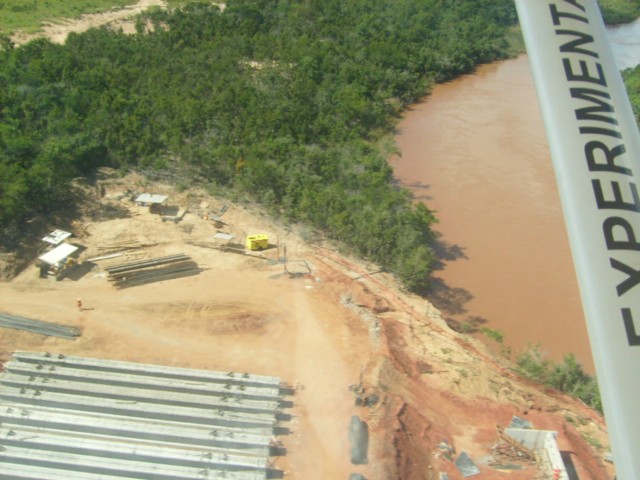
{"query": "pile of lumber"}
(123, 245)
(152, 270)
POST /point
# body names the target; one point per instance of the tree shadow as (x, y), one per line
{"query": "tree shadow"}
(446, 298)
(445, 251)
(471, 324)
(80, 270)
(449, 300)
(418, 189)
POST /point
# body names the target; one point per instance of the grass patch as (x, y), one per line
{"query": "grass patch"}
(28, 15)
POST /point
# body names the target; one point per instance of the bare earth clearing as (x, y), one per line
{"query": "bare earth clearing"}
(121, 18)
(322, 333)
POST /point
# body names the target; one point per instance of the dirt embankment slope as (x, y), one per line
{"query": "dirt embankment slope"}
(348, 341)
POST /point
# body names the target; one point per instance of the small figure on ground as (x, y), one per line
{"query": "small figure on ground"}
(79, 304)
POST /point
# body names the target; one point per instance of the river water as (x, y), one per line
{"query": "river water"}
(476, 152)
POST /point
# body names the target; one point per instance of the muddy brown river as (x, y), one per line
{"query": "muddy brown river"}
(476, 152)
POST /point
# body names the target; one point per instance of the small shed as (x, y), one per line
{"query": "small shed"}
(152, 200)
(58, 255)
(56, 237)
(57, 262)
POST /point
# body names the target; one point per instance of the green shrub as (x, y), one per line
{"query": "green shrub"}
(493, 334)
(567, 376)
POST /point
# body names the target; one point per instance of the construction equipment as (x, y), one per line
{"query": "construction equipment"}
(216, 215)
(257, 242)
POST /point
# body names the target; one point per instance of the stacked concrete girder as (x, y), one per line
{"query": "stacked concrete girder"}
(70, 415)
(38, 326)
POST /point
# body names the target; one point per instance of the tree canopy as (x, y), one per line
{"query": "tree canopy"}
(286, 102)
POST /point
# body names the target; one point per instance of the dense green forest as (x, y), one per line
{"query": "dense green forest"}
(290, 103)
(631, 79)
(619, 11)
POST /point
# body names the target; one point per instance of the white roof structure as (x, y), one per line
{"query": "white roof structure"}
(58, 254)
(64, 417)
(56, 237)
(149, 198)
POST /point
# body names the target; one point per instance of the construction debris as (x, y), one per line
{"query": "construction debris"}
(38, 326)
(466, 466)
(105, 257)
(141, 272)
(514, 449)
(221, 241)
(177, 217)
(359, 439)
(123, 245)
(518, 422)
(294, 268)
(541, 445)
(216, 215)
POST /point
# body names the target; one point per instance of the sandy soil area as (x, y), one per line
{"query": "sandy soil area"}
(57, 31)
(338, 335)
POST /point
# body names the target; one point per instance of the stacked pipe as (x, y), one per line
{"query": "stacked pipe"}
(152, 270)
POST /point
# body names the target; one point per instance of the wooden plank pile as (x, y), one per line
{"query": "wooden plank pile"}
(151, 270)
(123, 245)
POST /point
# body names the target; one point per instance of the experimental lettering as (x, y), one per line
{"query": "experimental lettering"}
(605, 154)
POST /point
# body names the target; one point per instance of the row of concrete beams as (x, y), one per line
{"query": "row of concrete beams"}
(108, 419)
(61, 465)
(152, 370)
(22, 471)
(137, 393)
(139, 381)
(170, 413)
(53, 445)
(18, 417)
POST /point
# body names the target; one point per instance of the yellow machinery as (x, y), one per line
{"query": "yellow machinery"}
(257, 242)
